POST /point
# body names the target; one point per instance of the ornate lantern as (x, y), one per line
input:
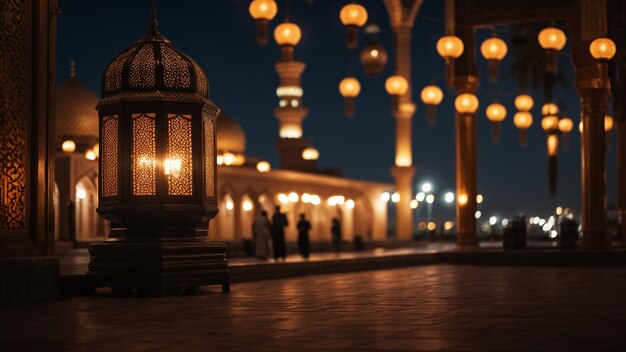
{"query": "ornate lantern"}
(549, 109)
(450, 48)
(287, 35)
(263, 11)
(496, 113)
(602, 49)
(157, 172)
(353, 16)
(566, 125)
(349, 88)
(373, 56)
(396, 86)
(493, 49)
(550, 124)
(466, 103)
(523, 120)
(553, 40)
(431, 96)
(524, 102)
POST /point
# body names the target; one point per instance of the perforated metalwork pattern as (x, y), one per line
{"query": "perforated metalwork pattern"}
(144, 154)
(203, 85)
(175, 69)
(143, 68)
(113, 77)
(109, 156)
(178, 165)
(209, 156)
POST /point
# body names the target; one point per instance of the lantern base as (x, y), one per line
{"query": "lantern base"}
(158, 267)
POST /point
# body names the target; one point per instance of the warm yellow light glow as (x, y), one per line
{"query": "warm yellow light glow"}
(466, 103)
(448, 225)
(479, 198)
(414, 203)
(566, 125)
(290, 131)
(263, 9)
(247, 205)
(68, 146)
(559, 210)
(524, 102)
(403, 160)
(396, 85)
(263, 166)
(496, 112)
(430, 199)
(608, 123)
(332, 201)
(449, 197)
(549, 109)
(219, 159)
(431, 226)
(493, 48)
(550, 123)
(553, 144)
(81, 193)
(580, 126)
(172, 167)
(374, 53)
(349, 204)
(96, 149)
(385, 197)
(349, 87)
(315, 199)
(353, 15)
(289, 91)
(421, 226)
(552, 38)
(310, 153)
(395, 197)
(287, 33)
(462, 199)
(230, 205)
(229, 159)
(293, 197)
(450, 47)
(90, 155)
(523, 120)
(420, 196)
(306, 198)
(283, 198)
(602, 49)
(431, 95)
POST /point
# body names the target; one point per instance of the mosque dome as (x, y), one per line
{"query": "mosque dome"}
(230, 135)
(76, 114)
(154, 64)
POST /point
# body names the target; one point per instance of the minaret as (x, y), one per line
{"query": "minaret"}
(290, 112)
(402, 15)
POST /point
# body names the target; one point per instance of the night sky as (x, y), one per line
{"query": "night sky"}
(220, 36)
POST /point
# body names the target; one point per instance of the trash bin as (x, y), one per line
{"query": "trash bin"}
(358, 243)
(569, 234)
(515, 234)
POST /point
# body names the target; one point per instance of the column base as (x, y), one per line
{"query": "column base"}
(467, 241)
(596, 240)
(160, 268)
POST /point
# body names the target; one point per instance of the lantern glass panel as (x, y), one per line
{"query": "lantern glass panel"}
(209, 152)
(109, 155)
(143, 154)
(178, 164)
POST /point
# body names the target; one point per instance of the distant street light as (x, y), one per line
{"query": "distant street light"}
(449, 197)
(395, 197)
(427, 187)
(430, 199)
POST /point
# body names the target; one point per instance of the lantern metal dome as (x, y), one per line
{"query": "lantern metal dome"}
(373, 55)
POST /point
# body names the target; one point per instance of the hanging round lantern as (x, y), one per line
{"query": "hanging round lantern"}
(373, 56)
(349, 88)
(466, 103)
(396, 86)
(287, 35)
(552, 144)
(602, 49)
(549, 109)
(68, 146)
(550, 123)
(263, 166)
(449, 48)
(494, 50)
(566, 125)
(523, 120)
(524, 102)
(263, 11)
(552, 40)
(608, 123)
(432, 96)
(353, 16)
(496, 113)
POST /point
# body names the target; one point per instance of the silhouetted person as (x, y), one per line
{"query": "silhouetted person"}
(335, 230)
(279, 222)
(261, 228)
(303, 236)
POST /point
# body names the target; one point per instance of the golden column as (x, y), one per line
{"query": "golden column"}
(402, 16)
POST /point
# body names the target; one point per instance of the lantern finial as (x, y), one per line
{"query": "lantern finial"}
(153, 19)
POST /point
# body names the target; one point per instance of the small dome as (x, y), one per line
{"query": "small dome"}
(230, 135)
(76, 114)
(154, 64)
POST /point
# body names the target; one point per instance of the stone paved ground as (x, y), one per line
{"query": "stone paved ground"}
(442, 307)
